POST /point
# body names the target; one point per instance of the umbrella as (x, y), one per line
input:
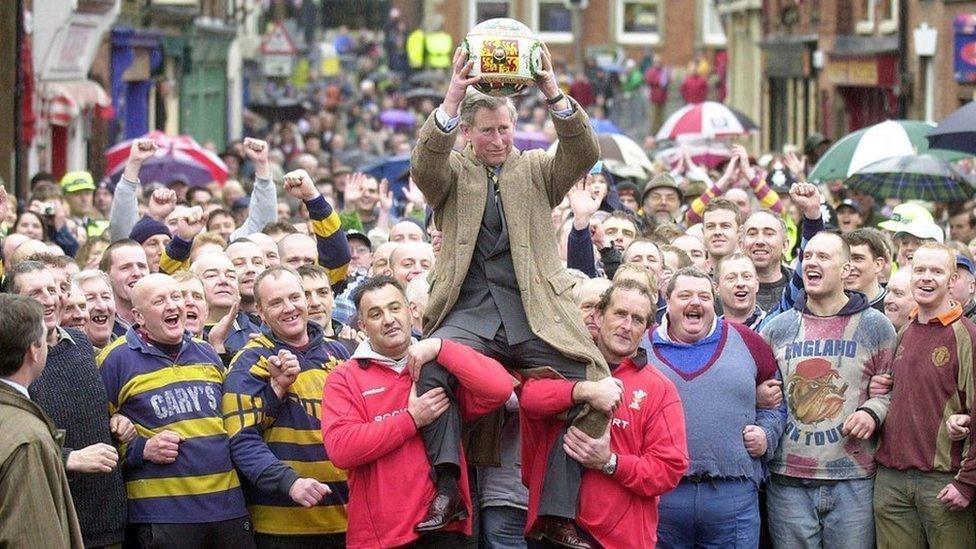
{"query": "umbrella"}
(279, 110)
(619, 147)
(602, 125)
(913, 177)
(708, 119)
(177, 158)
(957, 132)
(418, 95)
(710, 153)
(527, 140)
(885, 140)
(390, 168)
(398, 118)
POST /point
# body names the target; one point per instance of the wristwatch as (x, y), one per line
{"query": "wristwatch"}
(611, 466)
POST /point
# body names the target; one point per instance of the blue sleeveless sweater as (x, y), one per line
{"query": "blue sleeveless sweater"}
(716, 378)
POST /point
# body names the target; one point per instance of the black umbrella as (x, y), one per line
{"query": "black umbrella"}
(418, 95)
(957, 132)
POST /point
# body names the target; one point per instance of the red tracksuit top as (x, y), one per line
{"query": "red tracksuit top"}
(368, 432)
(648, 436)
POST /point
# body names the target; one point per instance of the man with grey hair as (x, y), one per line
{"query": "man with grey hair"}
(500, 288)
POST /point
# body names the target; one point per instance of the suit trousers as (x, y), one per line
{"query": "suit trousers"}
(442, 438)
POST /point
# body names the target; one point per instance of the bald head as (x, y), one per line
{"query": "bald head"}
(268, 246)
(411, 259)
(11, 243)
(144, 288)
(381, 259)
(27, 249)
(297, 250)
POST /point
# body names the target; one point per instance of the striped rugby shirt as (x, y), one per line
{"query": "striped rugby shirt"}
(275, 441)
(158, 393)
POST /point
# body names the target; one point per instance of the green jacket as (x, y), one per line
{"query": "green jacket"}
(35, 502)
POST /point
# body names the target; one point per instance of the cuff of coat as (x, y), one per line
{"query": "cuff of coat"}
(573, 125)
(318, 208)
(133, 454)
(435, 138)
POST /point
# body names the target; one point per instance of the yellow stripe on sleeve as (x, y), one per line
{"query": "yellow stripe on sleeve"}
(328, 226)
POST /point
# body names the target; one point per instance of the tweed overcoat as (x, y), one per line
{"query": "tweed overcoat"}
(531, 184)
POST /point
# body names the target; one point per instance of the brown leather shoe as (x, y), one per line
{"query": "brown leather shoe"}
(559, 531)
(445, 509)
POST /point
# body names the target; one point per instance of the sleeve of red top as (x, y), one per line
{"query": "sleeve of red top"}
(484, 383)
(766, 366)
(352, 439)
(664, 453)
(543, 398)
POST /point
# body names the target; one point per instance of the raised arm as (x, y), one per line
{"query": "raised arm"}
(333, 247)
(430, 166)
(125, 204)
(264, 198)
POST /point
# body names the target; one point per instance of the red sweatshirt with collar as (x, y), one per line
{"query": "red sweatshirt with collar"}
(648, 436)
(368, 431)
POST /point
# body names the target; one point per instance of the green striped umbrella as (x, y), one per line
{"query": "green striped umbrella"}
(836, 162)
(913, 177)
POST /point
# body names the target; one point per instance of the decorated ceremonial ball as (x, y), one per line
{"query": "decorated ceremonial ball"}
(506, 54)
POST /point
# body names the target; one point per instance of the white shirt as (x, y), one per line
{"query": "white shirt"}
(17, 386)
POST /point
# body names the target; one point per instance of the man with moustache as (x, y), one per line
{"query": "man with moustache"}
(926, 481)
(100, 303)
(271, 394)
(642, 455)
(868, 252)
(125, 263)
(763, 239)
(899, 301)
(182, 488)
(738, 286)
(828, 347)
(70, 391)
(372, 415)
(716, 367)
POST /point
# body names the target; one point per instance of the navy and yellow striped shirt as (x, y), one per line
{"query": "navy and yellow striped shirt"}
(333, 247)
(157, 393)
(274, 442)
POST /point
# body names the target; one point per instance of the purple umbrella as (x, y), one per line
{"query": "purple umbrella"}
(398, 118)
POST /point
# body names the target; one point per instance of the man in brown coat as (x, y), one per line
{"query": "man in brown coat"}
(499, 286)
(35, 502)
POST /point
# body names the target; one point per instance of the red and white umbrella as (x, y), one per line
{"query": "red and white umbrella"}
(178, 158)
(710, 153)
(708, 120)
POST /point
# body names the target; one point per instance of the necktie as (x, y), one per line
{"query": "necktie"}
(493, 179)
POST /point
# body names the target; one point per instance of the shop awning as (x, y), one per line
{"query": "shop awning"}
(63, 101)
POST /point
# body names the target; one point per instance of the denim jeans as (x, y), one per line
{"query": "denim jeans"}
(709, 514)
(502, 527)
(810, 514)
(909, 515)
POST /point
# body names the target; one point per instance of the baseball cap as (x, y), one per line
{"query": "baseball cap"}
(241, 203)
(965, 263)
(849, 203)
(925, 230)
(906, 214)
(77, 181)
(354, 234)
(813, 141)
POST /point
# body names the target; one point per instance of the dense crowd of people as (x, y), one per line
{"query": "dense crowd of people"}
(501, 347)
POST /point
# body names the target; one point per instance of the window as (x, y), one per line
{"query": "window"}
(552, 21)
(639, 21)
(483, 10)
(713, 33)
(880, 14)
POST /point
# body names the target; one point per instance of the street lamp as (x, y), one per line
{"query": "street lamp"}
(926, 42)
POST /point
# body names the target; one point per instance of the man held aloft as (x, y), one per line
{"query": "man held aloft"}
(499, 286)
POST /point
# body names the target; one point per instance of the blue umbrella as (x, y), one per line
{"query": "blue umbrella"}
(603, 125)
(394, 169)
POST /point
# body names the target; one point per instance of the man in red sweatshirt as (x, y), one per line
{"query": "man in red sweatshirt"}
(642, 455)
(925, 480)
(371, 416)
